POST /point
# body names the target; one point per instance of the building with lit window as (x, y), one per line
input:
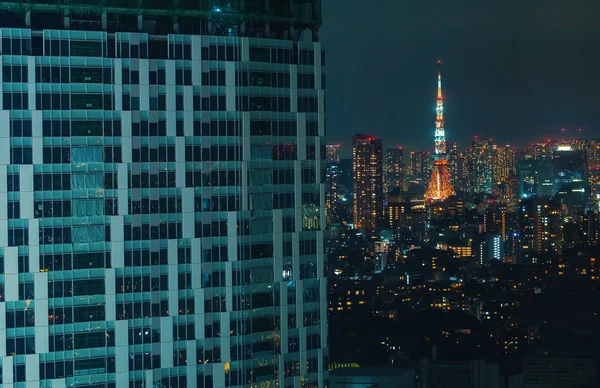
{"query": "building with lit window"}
(333, 153)
(367, 170)
(570, 176)
(454, 165)
(161, 171)
(504, 164)
(481, 173)
(393, 169)
(420, 164)
(332, 180)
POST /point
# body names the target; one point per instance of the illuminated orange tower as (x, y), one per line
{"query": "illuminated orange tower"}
(440, 184)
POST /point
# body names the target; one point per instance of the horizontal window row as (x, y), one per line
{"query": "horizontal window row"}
(273, 152)
(70, 261)
(262, 78)
(255, 325)
(20, 318)
(216, 153)
(262, 103)
(143, 335)
(146, 128)
(74, 341)
(20, 345)
(256, 300)
(141, 283)
(75, 234)
(75, 314)
(213, 178)
(214, 229)
(70, 101)
(214, 128)
(273, 128)
(74, 74)
(14, 73)
(67, 128)
(66, 154)
(146, 180)
(145, 257)
(70, 288)
(111, 48)
(159, 206)
(164, 231)
(135, 310)
(145, 154)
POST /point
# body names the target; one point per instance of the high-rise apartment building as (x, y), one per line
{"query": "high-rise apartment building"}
(420, 164)
(465, 172)
(333, 153)
(454, 165)
(504, 164)
(332, 180)
(156, 228)
(367, 170)
(481, 174)
(393, 169)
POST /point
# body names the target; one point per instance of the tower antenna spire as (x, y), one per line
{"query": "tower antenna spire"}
(440, 185)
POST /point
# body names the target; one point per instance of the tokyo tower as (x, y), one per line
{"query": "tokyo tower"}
(440, 186)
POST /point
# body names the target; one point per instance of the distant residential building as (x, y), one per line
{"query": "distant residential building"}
(393, 169)
(504, 164)
(454, 165)
(332, 182)
(333, 153)
(367, 171)
(481, 173)
(540, 225)
(420, 164)
(491, 248)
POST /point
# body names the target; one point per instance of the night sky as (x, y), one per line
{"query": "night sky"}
(513, 70)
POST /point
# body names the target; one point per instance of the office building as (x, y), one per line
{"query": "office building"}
(147, 168)
(465, 173)
(333, 153)
(504, 165)
(454, 165)
(367, 169)
(570, 177)
(420, 164)
(491, 249)
(332, 182)
(393, 169)
(481, 173)
(535, 177)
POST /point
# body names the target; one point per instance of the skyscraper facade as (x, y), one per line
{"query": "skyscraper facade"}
(482, 165)
(161, 172)
(504, 164)
(333, 153)
(393, 169)
(420, 164)
(332, 180)
(367, 170)
(454, 165)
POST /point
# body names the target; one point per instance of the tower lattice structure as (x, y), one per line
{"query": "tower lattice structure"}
(440, 183)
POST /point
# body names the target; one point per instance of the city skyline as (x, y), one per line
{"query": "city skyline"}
(516, 66)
